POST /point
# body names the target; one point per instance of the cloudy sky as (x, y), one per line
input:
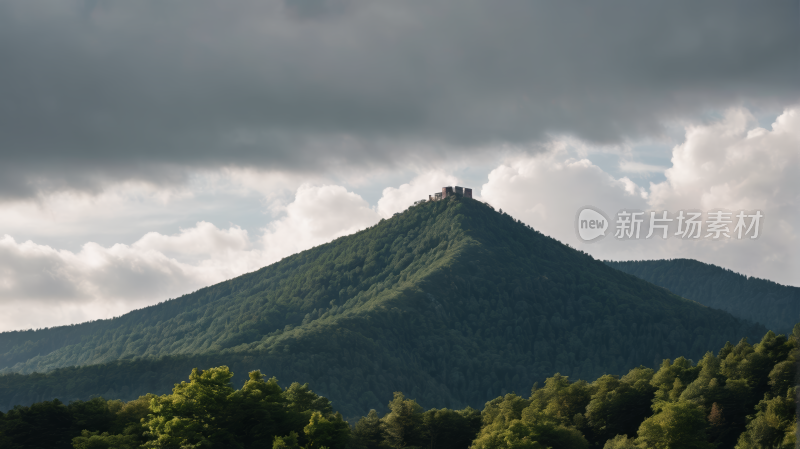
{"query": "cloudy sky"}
(151, 148)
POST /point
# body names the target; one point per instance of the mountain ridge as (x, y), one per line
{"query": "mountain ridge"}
(774, 305)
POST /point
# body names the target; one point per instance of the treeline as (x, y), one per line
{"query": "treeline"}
(204, 412)
(742, 397)
(774, 305)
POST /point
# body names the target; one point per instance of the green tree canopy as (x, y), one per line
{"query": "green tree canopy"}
(679, 425)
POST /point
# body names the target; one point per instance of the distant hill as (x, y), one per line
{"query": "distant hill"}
(451, 302)
(774, 305)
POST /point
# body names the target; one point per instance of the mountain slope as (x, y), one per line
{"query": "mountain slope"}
(774, 305)
(450, 302)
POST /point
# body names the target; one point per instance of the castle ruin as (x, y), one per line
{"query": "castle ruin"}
(451, 191)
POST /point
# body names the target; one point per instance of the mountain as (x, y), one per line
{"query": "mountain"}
(450, 302)
(774, 305)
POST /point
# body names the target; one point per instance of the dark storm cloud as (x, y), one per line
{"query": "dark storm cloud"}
(92, 92)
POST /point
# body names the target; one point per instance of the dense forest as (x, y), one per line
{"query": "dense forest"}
(742, 397)
(774, 305)
(451, 302)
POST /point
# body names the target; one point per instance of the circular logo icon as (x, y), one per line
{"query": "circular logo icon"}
(591, 224)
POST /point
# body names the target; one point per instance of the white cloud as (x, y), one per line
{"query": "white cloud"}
(733, 164)
(42, 286)
(317, 215)
(202, 240)
(730, 164)
(69, 213)
(546, 190)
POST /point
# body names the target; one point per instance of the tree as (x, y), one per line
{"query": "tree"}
(257, 411)
(450, 429)
(618, 406)
(287, 442)
(333, 432)
(97, 440)
(94, 414)
(515, 436)
(561, 399)
(513, 422)
(782, 377)
(129, 417)
(621, 442)
(671, 379)
(679, 425)
(43, 424)
(368, 433)
(195, 414)
(401, 426)
(300, 398)
(548, 430)
(773, 426)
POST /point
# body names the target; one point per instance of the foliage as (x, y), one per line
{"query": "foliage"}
(208, 412)
(402, 424)
(53, 424)
(621, 442)
(367, 433)
(738, 397)
(450, 429)
(326, 432)
(98, 440)
(774, 424)
(774, 305)
(678, 425)
(618, 405)
(286, 442)
(196, 414)
(513, 422)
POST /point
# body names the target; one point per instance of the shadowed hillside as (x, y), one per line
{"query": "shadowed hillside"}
(774, 305)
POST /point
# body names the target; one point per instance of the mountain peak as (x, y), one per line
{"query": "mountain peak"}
(449, 300)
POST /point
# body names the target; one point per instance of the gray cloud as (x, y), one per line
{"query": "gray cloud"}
(93, 92)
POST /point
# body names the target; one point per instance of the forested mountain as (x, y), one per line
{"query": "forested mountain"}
(774, 305)
(451, 302)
